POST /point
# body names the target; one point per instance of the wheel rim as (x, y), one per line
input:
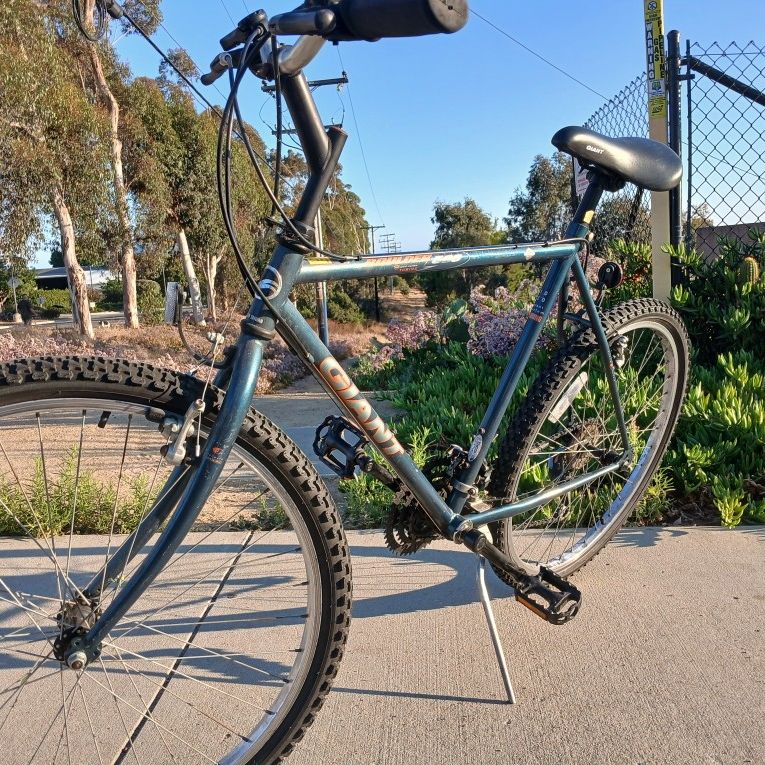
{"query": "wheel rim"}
(208, 663)
(578, 434)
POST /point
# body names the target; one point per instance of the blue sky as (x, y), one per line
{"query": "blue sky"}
(450, 116)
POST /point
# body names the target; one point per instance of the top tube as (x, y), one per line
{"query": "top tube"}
(320, 270)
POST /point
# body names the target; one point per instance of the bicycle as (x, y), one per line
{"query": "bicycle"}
(213, 622)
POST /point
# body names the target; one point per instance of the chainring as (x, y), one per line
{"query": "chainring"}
(408, 528)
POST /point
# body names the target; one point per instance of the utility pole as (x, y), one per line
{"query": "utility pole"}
(372, 229)
(322, 320)
(657, 130)
(390, 245)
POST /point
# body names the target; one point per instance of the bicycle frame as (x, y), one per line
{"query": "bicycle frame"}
(288, 267)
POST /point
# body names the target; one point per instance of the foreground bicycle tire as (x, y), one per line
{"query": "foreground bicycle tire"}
(560, 430)
(228, 655)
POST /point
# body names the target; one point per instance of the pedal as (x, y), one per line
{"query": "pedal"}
(341, 446)
(549, 596)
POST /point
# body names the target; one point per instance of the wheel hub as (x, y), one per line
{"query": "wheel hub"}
(75, 618)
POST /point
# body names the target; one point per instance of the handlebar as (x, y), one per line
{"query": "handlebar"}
(342, 20)
(309, 22)
(219, 66)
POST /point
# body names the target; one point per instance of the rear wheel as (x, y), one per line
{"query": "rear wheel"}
(229, 653)
(568, 427)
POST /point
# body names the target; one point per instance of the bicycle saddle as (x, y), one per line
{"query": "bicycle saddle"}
(645, 163)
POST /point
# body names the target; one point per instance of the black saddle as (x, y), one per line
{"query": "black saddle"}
(645, 163)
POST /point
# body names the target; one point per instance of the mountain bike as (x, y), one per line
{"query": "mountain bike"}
(175, 579)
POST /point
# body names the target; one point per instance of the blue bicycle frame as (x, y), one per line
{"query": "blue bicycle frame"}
(277, 315)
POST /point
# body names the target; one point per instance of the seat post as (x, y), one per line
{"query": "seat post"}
(585, 212)
(580, 228)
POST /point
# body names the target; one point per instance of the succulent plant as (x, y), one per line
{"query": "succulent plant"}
(748, 271)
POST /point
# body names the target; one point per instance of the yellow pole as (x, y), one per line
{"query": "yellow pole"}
(657, 130)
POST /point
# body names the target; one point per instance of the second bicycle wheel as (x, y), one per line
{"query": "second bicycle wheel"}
(568, 427)
(227, 656)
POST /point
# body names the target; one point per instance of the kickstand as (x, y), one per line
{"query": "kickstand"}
(489, 613)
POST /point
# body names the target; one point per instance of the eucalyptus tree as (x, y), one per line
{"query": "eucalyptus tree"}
(207, 234)
(51, 143)
(171, 160)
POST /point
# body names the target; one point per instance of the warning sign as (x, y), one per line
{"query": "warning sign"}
(654, 40)
(580, 176)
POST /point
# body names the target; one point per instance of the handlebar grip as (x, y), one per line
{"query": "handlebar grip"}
(219, 66)
(114, 9)
(374, 19)
(312, 22)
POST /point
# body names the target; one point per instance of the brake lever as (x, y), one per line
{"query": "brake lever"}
(243, 30)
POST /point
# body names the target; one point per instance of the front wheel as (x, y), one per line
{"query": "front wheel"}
(229, 653)
(567, 427)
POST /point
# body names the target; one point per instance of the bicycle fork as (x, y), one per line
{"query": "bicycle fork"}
(194, 487)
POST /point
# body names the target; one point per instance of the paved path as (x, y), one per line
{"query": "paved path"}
(664, 664)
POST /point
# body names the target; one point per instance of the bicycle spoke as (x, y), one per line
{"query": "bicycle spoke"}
(90, 725)
(143, 701)
(116, 502)
(143, 714)
(164, 688)
(76, 490)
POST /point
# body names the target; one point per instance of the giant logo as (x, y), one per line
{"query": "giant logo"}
(362, 412)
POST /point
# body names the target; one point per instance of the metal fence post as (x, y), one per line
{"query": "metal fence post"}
(688, 78)
(674, 113)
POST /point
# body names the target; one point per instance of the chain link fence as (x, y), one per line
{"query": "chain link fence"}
(724, 145)
(623, 215)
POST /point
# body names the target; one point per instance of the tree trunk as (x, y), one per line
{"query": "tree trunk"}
(211, 274)
(191, 277)
(126, 251)
(74, 273)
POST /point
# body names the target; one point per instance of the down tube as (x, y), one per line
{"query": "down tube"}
(342, 389)
(487, 431)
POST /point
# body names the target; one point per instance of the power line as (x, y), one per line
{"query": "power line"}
(361, 145)
(228, 13)
(538, 55)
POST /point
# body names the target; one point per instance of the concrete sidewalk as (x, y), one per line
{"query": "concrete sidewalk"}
(664, 664)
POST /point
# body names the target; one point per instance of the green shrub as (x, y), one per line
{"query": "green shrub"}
(341, 307)
(718, 444)
(151, 304)
(722, 310)
(453, 323)
(401, 284)
(444, 389)
(111, 292)
(95, 503)
(54, 298)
